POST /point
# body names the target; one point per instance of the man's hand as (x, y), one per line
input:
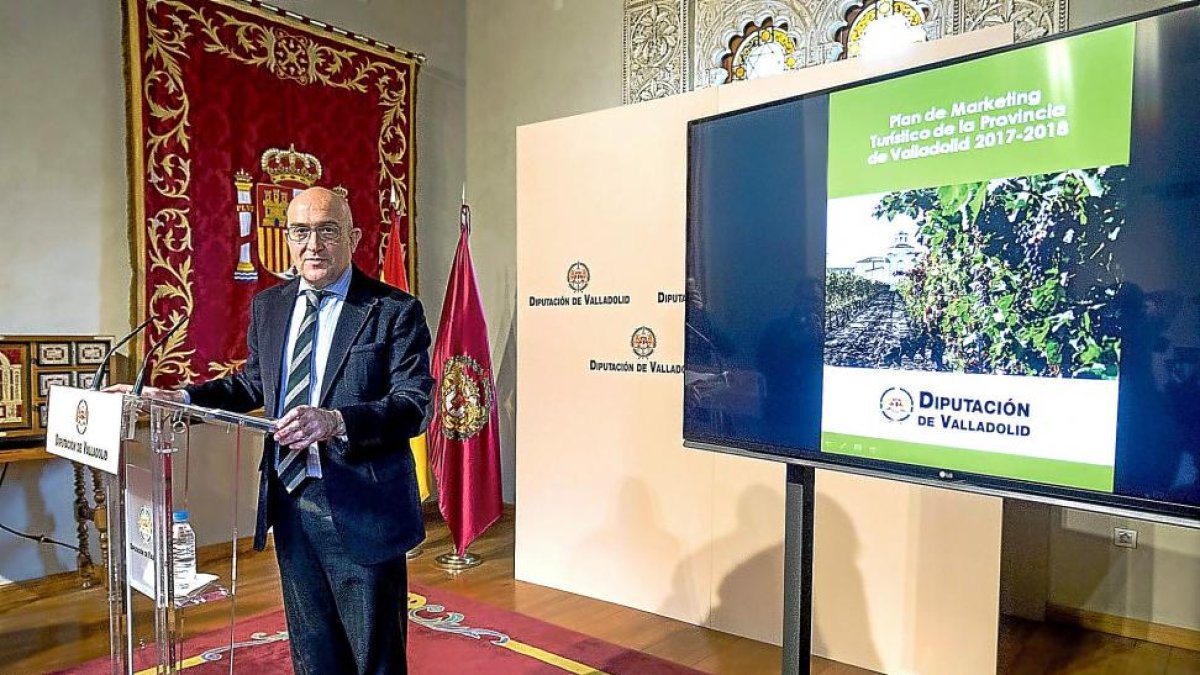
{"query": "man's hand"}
(175, 396)
(304, 425)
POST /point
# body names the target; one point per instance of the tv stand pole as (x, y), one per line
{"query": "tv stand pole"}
(797, 570)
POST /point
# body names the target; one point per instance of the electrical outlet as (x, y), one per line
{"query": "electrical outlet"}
(1124, 537)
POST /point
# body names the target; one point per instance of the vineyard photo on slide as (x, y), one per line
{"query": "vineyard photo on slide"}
(1012, 276)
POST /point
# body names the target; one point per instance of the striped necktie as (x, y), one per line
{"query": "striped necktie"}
(292, 465)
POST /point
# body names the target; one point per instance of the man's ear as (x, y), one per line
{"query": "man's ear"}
(355, 237)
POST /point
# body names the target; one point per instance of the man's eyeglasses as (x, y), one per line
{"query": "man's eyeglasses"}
(298, 234)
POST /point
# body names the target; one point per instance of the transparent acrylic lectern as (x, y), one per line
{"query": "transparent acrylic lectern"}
(169, 463)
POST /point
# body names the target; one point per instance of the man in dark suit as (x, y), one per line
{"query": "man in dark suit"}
(343, 361)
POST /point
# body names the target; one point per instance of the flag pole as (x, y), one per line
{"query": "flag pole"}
(418, 550)
(451, 561)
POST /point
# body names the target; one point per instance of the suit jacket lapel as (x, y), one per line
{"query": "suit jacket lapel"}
(277, 316)
(356, 310)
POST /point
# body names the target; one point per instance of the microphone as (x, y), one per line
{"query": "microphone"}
(98, 377)
(138, 384)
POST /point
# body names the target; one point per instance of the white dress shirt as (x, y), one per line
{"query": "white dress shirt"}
(327, 318)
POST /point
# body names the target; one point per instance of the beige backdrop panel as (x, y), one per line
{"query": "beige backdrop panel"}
(599, 457)
(610, 503)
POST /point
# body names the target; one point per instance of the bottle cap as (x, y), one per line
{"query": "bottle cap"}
(180, 516)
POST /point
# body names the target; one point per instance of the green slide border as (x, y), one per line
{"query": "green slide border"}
(1051, 471)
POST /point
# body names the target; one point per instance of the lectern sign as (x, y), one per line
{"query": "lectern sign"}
(85, 426)
(141, 561)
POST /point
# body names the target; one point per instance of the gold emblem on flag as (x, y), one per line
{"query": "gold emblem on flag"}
(465, 398)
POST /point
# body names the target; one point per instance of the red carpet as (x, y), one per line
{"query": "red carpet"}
(448, 635)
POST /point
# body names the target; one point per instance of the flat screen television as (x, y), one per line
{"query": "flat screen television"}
(983, 274)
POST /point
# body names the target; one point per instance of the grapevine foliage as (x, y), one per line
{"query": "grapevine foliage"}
(1020, 277)
(845, 296)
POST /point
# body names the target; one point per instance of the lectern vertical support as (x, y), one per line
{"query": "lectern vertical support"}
(148, 599)
(797, 570)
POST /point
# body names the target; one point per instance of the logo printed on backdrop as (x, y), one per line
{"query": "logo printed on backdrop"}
(643, 341)
(81, 417)
(465, 398)
(896, 404)
(578, 277)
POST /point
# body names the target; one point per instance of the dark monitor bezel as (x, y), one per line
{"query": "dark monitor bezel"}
(1172, 513)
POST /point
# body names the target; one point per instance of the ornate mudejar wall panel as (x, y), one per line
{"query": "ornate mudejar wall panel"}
(672, 46)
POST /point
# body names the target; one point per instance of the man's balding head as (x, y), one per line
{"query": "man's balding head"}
(325, 201)
(321, 260)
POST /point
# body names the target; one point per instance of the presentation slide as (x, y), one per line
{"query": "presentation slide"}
(973, 218)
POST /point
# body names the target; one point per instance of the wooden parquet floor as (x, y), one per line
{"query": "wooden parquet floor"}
(47, 627)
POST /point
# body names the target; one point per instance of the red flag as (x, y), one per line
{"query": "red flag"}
(395, 271)
(464, 440)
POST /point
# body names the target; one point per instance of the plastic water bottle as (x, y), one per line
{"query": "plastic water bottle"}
(183, 544)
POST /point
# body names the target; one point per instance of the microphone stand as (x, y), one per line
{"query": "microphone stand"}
(98, 377)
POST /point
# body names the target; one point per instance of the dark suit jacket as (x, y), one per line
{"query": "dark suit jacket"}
(377, 375)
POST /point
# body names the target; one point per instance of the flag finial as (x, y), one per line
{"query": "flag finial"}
(464, 213)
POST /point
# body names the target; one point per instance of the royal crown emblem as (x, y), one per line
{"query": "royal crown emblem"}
(265, 204)
(291, 168)
(464, 398)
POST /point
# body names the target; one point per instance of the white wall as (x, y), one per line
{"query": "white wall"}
(62, 196)
(63, 193)
(1066, 558)
(63, 171)
(1159, 581)
(1087, 12)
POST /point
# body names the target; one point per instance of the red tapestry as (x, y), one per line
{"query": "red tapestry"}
(233, 108)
